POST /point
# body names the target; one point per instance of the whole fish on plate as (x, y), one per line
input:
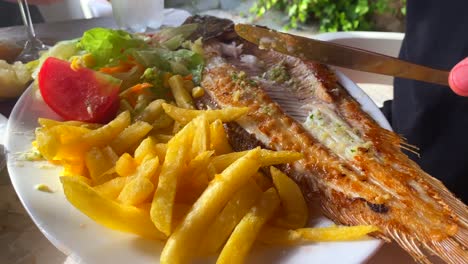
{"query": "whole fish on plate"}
(357, 167)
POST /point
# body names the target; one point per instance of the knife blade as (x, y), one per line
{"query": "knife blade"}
(339, 55)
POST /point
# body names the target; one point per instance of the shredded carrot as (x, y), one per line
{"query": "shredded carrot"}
(138, 88)
(132, 93)
(188, 77)
(123, 66)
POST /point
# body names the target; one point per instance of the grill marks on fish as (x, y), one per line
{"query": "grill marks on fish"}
(278, 131)
(379, 185)
(407, 189)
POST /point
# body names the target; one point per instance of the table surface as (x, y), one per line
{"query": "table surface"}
(20, 240)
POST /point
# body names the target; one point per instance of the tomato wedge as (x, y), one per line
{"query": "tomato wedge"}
(79, 94)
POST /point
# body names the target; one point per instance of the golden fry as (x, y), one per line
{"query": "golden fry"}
(229, 217)
(136, 191)
(106, 176)
(201, 139)
(130, 136)
(178, 151)
(195, 179)
(140, 188)
(218, 138)
(160, 150)
(244, 235)
(111, 189)
(183, 243)
(105, 134)
(152, 112)
(83, 179)
(125, 165)
(181, 96)
(48, 123)
(145, 148)
(62, 142)
(163, 122)
(110, 153)
(280, 236)
(107, 212)
(97, 163)
(186, 115)
(267, 158)
(293, 203)
(75, 168)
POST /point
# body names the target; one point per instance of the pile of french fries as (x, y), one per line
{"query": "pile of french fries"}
(182, 183)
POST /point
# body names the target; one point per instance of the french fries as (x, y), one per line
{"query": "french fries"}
(186, 115)
(183, 242)
(290, 237)
(296, 211)
(178, 152)
(48, 123)
(130, 136)
(145, 148)
(245, 233)
(201, 140)
(107, 212)
(229, 217)
(141, 187)
(170, 173)
(112, 188)
(218, 139)
(193, 184)
(267, 158)
(98, 163)
(126, 165)
(151, 112)
(182, 97)
(105, 134)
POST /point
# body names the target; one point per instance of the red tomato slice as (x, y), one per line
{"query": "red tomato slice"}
(82, 94)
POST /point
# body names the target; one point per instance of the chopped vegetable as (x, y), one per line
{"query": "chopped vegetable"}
(181, 61)
(108, 45)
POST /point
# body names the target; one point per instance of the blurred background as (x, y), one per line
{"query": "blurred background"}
(296, 15)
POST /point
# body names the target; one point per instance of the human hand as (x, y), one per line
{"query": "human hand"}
(37, 2)
(458, 78)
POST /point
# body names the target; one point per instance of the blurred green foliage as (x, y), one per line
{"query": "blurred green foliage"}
(333, 15)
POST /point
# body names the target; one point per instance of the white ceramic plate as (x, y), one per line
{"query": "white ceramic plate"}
(87, 242)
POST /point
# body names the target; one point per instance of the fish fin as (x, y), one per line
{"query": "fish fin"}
(409, 244)
(462, 237)
(448, 250)
(457, 206)
(451, 249)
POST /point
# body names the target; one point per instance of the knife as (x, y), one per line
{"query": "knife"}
(339, 55)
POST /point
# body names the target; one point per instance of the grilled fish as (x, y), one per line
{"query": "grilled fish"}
(357, 168)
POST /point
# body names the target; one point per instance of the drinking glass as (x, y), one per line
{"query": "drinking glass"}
(33, 45)
(138, 15)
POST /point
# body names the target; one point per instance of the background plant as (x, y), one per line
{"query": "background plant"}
(333, 15)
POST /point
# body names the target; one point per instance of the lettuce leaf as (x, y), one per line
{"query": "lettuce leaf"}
(181, 61)
(107, 45)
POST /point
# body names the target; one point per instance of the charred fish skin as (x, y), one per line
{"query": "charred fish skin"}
(357, 167)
